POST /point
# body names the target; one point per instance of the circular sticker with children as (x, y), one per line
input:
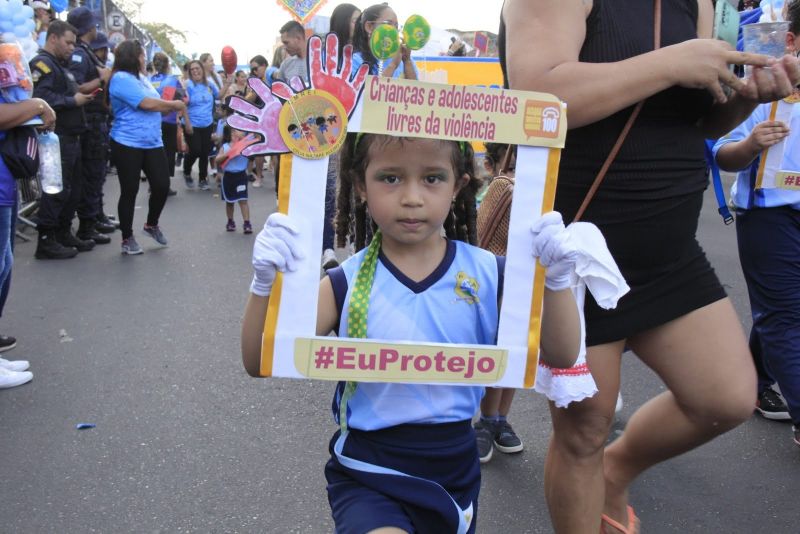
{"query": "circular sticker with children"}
(313, 124)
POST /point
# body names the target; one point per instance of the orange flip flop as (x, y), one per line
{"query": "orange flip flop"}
(633, 523)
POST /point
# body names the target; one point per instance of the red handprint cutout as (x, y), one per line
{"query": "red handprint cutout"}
(264, 121)
(325, 75)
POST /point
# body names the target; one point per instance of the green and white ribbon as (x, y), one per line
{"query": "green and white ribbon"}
(357, 310)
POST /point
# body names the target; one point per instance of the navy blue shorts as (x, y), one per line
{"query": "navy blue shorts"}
(234, 186)
(420, 478)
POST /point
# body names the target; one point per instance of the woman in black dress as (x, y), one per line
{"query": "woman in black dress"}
(598, 57)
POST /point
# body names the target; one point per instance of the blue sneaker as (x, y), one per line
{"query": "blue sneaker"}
(131, 247)
(505, 439)
(155, 233)
(484, 440)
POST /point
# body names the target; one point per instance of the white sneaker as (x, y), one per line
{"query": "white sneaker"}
(9, 379)
(16, 365)
(329, 260)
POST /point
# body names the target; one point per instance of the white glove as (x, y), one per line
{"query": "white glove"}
(277, 248)
(554, 248)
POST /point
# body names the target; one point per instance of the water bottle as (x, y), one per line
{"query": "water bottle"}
(50, 163)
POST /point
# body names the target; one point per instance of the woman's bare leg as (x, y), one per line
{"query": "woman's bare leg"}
(703, 359)
(573, 476)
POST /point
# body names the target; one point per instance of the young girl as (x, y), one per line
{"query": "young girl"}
(405, 459)
(234, 180)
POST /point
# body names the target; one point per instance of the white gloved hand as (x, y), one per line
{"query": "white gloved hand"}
(554, 248)
(277, 248)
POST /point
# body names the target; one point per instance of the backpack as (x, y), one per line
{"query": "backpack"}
(20, 152)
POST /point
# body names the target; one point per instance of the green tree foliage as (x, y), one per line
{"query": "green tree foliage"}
(165, 35)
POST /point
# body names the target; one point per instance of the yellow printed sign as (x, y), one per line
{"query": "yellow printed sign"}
(329, 358)
(462, 113)
(787, 180)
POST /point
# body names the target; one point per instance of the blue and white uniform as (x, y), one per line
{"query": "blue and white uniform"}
(768, 235)
(234, 178)
(377, 463)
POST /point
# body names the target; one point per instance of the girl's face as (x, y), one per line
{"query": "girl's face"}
(196, 72)
(208, 64)
(387, 16)
(409, 198)
(241, 78)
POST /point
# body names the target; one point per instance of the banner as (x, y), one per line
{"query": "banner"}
(118, 27)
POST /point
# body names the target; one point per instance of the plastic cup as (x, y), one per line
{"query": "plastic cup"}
(768, 38)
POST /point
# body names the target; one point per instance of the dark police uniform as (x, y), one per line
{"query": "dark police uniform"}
(94, 143)
(56, 85)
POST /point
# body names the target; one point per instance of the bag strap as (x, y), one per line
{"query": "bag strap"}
(627, 128)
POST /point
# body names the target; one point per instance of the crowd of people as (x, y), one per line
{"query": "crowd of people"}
(413, 223)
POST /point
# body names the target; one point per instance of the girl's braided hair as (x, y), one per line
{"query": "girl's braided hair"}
(351, 212)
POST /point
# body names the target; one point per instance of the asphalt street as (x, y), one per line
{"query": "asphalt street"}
(147, 349)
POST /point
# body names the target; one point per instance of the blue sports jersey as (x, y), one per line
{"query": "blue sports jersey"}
(743, 192)
(133, 126)
(432, 310)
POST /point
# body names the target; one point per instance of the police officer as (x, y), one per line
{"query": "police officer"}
(100, 47)
(92, 77)
(55, 84)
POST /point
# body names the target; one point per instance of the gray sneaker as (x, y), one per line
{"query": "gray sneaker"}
(505, 439)
(131, 247)
(484, 438)
(155, 233)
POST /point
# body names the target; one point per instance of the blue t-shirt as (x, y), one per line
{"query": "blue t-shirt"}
(431, 310)
(8, 187)
(133, 126)
(162, 82)
(201, 103)
(235, 164)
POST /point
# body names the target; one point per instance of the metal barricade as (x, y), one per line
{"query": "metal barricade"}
(29, 192)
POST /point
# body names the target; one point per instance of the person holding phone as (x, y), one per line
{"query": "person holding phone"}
(55, 84)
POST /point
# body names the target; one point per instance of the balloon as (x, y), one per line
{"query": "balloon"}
(5, 11)
(384, 41)
(57, 5)
(21, 31)
(416, 32)
(229, 60)
(15, 5)
(6, 25)
(27, 11)
(9, 37)
(19, 18)
(30, 25)
(29, 48)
